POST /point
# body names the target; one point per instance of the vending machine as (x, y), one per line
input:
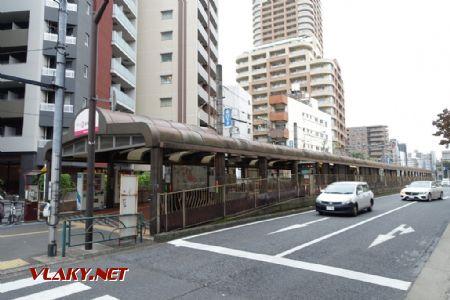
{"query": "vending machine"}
(99, 191)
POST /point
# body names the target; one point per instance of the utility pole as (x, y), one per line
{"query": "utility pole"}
(219, 100)
(57, 127)
(91, 130)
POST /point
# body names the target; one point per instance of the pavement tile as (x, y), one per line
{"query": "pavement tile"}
(13, 263)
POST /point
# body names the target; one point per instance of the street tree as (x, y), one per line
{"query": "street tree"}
(443, 126)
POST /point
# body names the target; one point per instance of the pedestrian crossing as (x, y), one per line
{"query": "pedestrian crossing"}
(8, 289)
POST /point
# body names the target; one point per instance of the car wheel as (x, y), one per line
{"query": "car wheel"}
(429, 197)
(320, 212)
(355, 210)
(441, 196)
(371, 205)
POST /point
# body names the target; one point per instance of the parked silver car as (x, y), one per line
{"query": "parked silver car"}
(345, 197)
(422, 190)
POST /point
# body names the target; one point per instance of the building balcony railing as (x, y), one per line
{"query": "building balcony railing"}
(68, 108)
(127, 77)
(278, 99)
(54, 4)
(42, 143)
(52, 72)
(123, 20)
(123, 46)
(123, 99)
(278, 116)
(279, 134)
(53, 37)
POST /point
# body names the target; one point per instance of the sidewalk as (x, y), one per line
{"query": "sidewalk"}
(433, 281)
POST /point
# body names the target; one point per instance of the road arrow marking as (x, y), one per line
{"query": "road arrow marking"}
(402, 229)
(297, 226)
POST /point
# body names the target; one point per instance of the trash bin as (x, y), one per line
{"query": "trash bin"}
(30, 211)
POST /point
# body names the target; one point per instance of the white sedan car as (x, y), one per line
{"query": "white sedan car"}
(345, 197)
(422, 190)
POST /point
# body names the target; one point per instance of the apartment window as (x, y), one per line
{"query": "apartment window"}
(166, 35)
(166, 79)
(88, 8)
(85, 71)
(166, 57)
(166, 14)
(165, 102)
(86, 39)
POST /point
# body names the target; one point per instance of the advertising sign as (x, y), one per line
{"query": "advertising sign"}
(227, 122)
(82, 123)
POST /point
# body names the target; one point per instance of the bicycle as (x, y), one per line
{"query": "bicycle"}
(13, 218)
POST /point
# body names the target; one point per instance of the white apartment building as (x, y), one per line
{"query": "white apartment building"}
(124, 57)
(177, 54)
(238, 108)
(295, 123)
(273, 69)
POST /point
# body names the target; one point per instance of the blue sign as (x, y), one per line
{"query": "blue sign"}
(227, 117)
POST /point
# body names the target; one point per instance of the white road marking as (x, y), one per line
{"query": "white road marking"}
(22, 283)
(290, 251)
(369, 278)
(297, 226)
(402, 229)
(445, 198)
(248, 224)
(58, 292)
(106, 297)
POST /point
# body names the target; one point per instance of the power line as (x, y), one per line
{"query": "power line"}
(32, 50)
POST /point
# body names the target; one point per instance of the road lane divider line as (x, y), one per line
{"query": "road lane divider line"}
(297, 226)
(248, 224)
(106, 297)
(325, 237)
(13, 263)
(339, 272)
(59, 292)
(22, 283)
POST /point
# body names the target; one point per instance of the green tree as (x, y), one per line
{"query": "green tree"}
(358, 155)
(443, 126)
(144, 180)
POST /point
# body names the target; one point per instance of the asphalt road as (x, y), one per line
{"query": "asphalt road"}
(375, 255)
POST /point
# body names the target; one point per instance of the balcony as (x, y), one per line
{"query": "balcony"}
(203, 94)
(54, 4)
(53, 37)
(68, 108)
(121, 48)
(129, 5)
(279, 134)
(123, 22)
(125, 77)
(277, 100)
(11, 108)
(278, 116)
(123, 99)
(52, 72)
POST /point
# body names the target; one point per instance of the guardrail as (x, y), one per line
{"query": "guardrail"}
(119, 227)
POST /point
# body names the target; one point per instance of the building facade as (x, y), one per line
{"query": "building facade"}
(284, 19)
(177, 56)
(274, 69)
(237, 112)
(372, 141)
(26, 114)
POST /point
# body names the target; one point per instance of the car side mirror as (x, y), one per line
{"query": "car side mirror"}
(358, 192)
(406, 186)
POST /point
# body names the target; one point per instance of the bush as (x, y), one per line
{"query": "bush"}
(144, 180)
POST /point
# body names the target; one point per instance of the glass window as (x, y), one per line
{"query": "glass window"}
(165, 102)
(166, 79)
(88, 8)
(166, 14)
(166, 35)
(85, 71)
(86, 39)
(166, 57)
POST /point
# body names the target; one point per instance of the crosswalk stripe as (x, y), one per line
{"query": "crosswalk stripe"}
(22, 283)
(58, 292)
(106, 297)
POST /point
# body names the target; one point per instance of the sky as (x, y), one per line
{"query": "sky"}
(394, 57)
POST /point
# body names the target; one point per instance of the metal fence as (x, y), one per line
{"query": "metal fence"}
(104, 228)
(187, 208)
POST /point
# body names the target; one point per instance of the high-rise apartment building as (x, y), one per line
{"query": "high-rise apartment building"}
(288, 51)
(28, 35)
(274, 69)
(177, 53)
(275, 20)
(371, 141)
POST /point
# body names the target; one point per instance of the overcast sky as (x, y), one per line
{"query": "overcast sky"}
(394, 56)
